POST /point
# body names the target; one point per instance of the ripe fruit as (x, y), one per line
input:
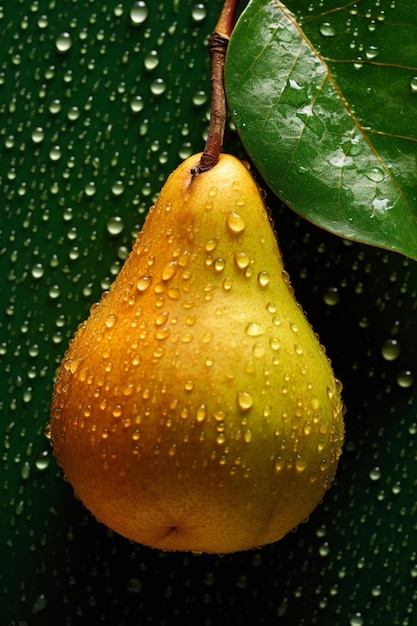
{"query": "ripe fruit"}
(195, 408)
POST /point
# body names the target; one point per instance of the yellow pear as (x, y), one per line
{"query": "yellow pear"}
(195, 409)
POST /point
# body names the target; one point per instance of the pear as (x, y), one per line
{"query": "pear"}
(195, 409)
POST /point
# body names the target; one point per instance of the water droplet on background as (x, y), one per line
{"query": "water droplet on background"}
(137, 104)
(375, 474)
(38, 270)
(55, 153)
(43, 461)
(151, 60)
(63, 42)
(158, 86)
(390, 350)
(331, 296)
(115, 225)
(200, 98)
(405, 379)
(356, 620)
(90, 189)
(199, 12)
(38, 134)
(139, 12)
(117, 189)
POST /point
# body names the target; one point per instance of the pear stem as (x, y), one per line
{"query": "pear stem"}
(218, 43)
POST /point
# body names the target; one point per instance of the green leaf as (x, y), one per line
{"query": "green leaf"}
(325, 102)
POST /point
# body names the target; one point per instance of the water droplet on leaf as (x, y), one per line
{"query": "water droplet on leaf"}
(413, 84)
(375, 174)
(327, 30)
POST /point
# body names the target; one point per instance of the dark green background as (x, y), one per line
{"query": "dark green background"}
(73, 195)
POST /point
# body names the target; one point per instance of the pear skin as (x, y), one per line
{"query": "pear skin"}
(195, 409)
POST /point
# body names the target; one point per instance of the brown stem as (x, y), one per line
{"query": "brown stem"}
(227, 17)
(210, 156)
(218, 43)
